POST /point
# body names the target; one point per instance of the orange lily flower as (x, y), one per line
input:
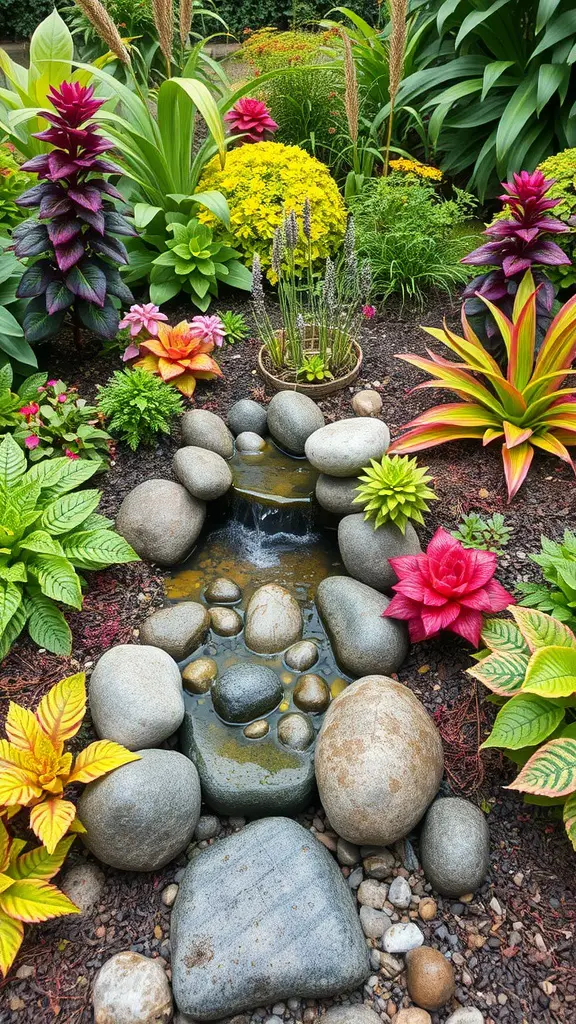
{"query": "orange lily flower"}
(179, 356)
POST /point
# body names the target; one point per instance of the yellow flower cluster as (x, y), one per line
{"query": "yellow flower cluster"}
(562, 168)
(267, 180)
(405, 166)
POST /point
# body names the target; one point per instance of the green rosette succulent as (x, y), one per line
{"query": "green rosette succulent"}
(394, 490)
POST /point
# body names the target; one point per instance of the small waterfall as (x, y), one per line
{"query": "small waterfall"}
(261, 533)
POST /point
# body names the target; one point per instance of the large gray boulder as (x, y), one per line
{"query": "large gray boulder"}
(378, 761)
(142, 815)
(346, 447)
(336, 494)
(161, 521)
(131, 989)
(363, 642)
(260, 917)
(205, 474)
(273, 620)
(455, 846)
(204, 429)
(136, 696)
(292, 418)
(247, 415)
(177, 629)
(365, 551)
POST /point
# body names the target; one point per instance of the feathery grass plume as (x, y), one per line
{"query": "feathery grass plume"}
(396, 50)
(98, 16)
(185, 24)
(163, 14)
(351, 99)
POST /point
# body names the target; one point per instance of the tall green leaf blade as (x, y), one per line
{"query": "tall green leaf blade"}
(524, 721)
(546, 9)
(561, 28)
(550, 79)
(492, 73)
(521, 107)
(476, 18)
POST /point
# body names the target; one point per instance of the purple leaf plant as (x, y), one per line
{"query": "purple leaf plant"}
(71, 240)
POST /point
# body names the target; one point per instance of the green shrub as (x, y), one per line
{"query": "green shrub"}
(562, 168)
(55, 421)
(483, 534)
(13, 182)
(11, 402)
(409, 235)
(140, 406)
(558, 565)
(235, 326)
(19, 19)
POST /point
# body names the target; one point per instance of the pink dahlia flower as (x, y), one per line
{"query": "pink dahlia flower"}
(446, 587)
(209, 328)
(251, 119)
(147, 317)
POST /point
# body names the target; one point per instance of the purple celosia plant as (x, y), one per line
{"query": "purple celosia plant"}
(517, 246)
(73, 233)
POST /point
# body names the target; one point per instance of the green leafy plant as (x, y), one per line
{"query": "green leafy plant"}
(558, 565)
(140, 406)
(48, 530)
(235, 326)
(394, 490)
(490, 534)
(12, 401)
(12, 341)
(57, 422)
(561, 169)
(13, 182)
(531, 663)
(314, 368)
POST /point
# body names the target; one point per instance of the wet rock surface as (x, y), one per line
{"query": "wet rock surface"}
(273, 620)
(178, 629)
(364, 642)
(246, 692)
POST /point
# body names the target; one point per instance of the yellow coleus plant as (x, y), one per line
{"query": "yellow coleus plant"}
(34, 769)
(26, 896)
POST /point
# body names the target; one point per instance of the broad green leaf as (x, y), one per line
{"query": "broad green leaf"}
(33, 900)
(47, 625)
(73, 474)
(216, 203)
(11, 935)
(570, 818)
(10, 601)
(57, 579)
(29, 389)
(12, 631)
(492, 73)
(551, 672)
(546, 9)
(12, 461)
(503, 635)
(13, 573)
(69, 511)
(475, 18)
(41, 543)
(561, 28)
(520, 108)
(144, 213)
(524, 721)
(51, 50)
(38, 863)
(9, 324)
(550, 79)
(97, 549)
(502, 672)
(551, 771)
(541, 630)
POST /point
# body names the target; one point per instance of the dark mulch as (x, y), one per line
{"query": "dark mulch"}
(532, 981)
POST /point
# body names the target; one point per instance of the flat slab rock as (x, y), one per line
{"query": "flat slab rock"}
(260, 917)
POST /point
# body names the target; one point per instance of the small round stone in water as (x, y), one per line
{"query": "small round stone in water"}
(296, 731)
(256, 730)
(223, 591)
(225, 621)
(199, 675)
(302, 655)
(250, 443)
(312, 693)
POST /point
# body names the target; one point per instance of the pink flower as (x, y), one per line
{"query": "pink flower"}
(251, 119)
(29, 410)
(32, 441)
(62, 397)
(209, 328)
(368, 312)
(446, 587)
(70, 455)
(130, 353)
(147, 316)
(51, 383)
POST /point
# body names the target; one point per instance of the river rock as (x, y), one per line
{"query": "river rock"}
(346, 447)
(302, 655)
(465, 1015)
(247, 415)
(351, 1013)
(273, 619)
(222, 591)
(430, 977)
(270, 908)
(455, 846)
(365, 551)
(136, 696)
(295, 731)
(402, 937)
(131, 989)
(399, 894)
(364, 643)
(198, 675)
(337, 494)
(143, 814)
(225, 621)
(257, 730)
(246, 692)
(409, 1015)
(204, 473)
(292, 418)
(367, 403)
(83, 884)
(205, 429)
(311, 693)
(378, 761)
(249, 443)
(161, 521)
(178, 629)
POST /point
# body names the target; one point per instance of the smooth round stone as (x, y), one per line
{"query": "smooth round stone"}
(429, 978)
(367, 403)
(225, 621)
(364, 642)
(199, 675)
(399, 894)
(131, 989)
(465, 1015)
(365, 551)
(161, 521)
(273, 620)
(402, 937)
(222, 591)
(143, 814)
(301, 655)
(292, 418)
(83, 883)
(455, 846)
(256, 730)
(205, 429)
(247, 415)
(246, 692)
(250, 443)
(312, 693)
(204, 473)
(351, 1013)
(413, 1015)
(178, 629)
(295, 731)
(346, 447)
(337, 494)
(378, 762)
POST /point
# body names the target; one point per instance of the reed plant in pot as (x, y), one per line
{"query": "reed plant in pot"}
(314, 349)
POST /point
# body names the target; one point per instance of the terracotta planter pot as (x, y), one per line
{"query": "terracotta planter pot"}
(285, 380)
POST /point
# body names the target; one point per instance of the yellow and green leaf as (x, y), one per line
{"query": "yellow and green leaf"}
(551, 672)
(570, 818)
(39, 863)
(503, 635)
(22, 728)
(502, 672)
(61, 711)
(551, 771)
(99, 758)
(524, 721)
(541, 630)
(11, 935)
(51, 819)
(33, 900)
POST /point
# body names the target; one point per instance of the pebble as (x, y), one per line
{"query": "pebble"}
(223, 591)
(83, 884)
(199, 675)
(256, 730)
(169, 895)
(355, 878)
(26, 971)
(379, 865)
(367, 403)
(412, 1015)
(347, 853)
(399, 893)
(208, 827)
(225, 621)
(372, 894)
(466, 1015)
(390, 965)
(427, 909)
(296, 731)
(374, 922)
(429, 978)
(401, 938)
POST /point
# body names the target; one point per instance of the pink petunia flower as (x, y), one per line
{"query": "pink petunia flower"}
(29, 410)
(70, 455)
(209, 329)
(368, 312)
(147, 316)
(32, 441)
